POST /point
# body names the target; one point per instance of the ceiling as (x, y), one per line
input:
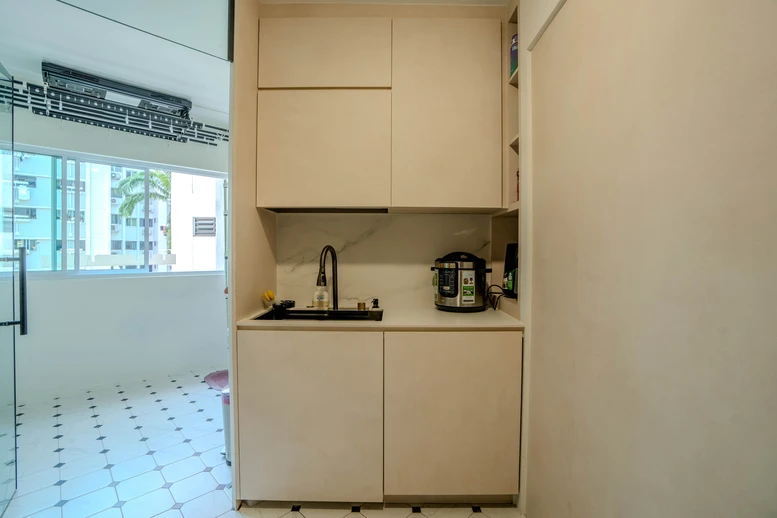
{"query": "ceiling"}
(48, 30)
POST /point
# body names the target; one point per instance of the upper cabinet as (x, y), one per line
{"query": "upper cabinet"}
(324, 52)
(446, 113)
(375, 113)
(324, 148)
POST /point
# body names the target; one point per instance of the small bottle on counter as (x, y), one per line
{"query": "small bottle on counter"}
(321, 298)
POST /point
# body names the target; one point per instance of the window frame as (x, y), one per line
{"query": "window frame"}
(78, 158)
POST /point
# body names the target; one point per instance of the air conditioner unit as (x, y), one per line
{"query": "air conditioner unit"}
(69, 80)
(114, 200)
(115, 229)
(116, 176)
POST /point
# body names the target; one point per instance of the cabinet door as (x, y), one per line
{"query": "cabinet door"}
(310, 415)
(446, 113)
(324, 52)
(452, 413)
(324, 148)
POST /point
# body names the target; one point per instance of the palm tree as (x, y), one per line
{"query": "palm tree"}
(134, 190)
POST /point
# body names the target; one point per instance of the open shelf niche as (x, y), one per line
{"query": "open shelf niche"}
(505, 222)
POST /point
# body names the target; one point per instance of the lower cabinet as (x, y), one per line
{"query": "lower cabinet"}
(452, 413)
(310, 415)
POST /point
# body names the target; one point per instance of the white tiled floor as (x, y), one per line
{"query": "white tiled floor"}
(131, 451)
(153, 449)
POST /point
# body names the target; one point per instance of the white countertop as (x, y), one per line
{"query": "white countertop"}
(426, 319)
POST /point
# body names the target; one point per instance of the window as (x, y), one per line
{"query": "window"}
(175, 199)
(23, 180)
(23, 213)
(36, 198)
(30, 244)
(107, 201)
(86, 214)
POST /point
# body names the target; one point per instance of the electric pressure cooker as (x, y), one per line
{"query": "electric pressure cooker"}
(460, 283)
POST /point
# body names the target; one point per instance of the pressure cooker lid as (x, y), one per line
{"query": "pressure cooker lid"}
(461, 258)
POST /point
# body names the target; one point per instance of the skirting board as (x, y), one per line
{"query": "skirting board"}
(449, 499)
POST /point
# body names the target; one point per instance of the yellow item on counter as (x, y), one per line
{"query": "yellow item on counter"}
(269, 296)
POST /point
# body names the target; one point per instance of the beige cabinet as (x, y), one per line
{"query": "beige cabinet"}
(452, 413)
(310, 416)
(446, 113)
(324, 52)
(324, 148)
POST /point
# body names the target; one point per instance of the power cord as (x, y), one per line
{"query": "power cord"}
(494, 298)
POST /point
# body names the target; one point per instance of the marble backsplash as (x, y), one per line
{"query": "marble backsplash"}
(384, 256)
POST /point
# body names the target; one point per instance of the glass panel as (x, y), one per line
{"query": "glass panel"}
(36, 219)
(176, 199)
(70, 221)
(7, 360)
(112, 202)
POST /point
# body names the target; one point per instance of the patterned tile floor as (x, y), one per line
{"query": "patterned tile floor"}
(131, 450)
(153, 448)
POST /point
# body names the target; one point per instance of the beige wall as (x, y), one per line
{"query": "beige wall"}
(534, 16)
(253, 230)
(653, 386)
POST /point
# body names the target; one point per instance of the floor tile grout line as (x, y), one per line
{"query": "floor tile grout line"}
(199, 408)
(129, 410)
(92, 416)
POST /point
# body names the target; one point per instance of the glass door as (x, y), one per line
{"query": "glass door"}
(10, 318)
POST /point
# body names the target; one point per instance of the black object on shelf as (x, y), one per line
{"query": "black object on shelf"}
(510, 278)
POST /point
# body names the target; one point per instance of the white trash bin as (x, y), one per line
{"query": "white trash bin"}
(227, 434)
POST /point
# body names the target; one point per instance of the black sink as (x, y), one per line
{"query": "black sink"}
(322, 314)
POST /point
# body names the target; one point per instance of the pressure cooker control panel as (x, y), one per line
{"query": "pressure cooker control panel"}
(448, 282)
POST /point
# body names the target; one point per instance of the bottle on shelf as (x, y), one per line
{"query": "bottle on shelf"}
(514, 54)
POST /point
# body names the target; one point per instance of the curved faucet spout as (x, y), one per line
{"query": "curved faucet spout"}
(321, 279)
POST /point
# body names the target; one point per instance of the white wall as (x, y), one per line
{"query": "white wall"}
(88, 332)
(37, 130)
(94, 332)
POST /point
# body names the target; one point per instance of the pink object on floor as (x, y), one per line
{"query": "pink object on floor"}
(219, 380)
